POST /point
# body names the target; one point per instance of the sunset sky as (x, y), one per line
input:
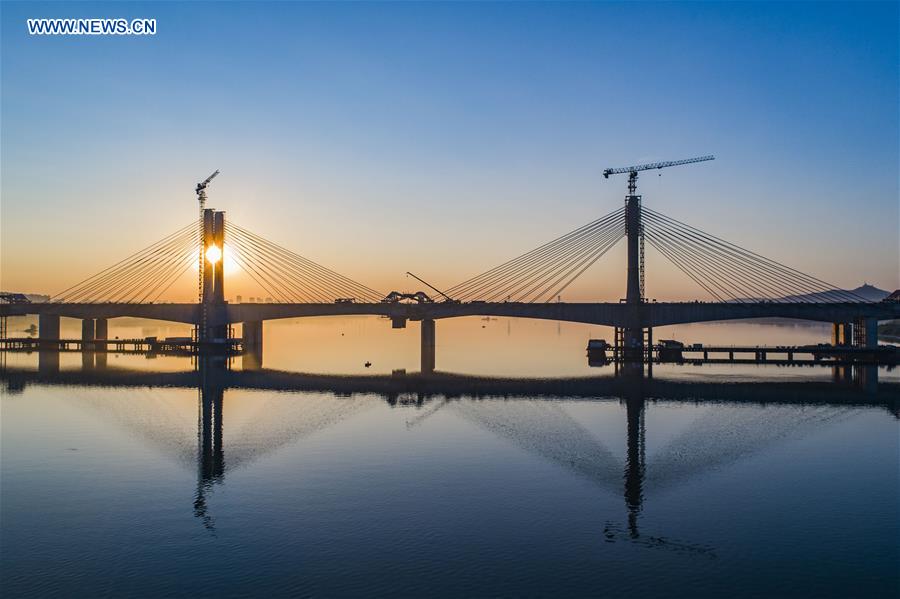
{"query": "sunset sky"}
(446, 138)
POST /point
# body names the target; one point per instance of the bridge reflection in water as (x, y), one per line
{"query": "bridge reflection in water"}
(210, 453)
(532, 415)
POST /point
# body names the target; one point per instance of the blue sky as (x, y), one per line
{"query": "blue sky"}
(444, 138)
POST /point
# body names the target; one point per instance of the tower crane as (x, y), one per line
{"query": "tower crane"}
(633, 170)
(201, 197)
(634, 230)
(201, 190)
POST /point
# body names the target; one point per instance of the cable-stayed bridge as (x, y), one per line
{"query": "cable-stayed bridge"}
(739, 283)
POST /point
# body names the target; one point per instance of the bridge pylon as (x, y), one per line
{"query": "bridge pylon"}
(633, 338)
(634, 238)
(212, 327)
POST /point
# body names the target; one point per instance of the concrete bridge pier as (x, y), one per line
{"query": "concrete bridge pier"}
(428, 340)
(841, 333)
(862, 332)
(865, 332)
(88, 328)
(48, 328)
(87, 332)
(634, 345)
(48, 352)
(101, 329)
(87, 343)
(101, 333)
(252, 344)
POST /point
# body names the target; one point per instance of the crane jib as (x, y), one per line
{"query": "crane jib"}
(654, 165)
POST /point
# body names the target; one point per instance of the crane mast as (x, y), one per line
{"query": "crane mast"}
(201, 198)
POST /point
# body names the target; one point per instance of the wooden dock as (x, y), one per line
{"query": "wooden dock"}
(782, 355)
(147, 345)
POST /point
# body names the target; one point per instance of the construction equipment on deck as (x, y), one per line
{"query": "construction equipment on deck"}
(449, 299)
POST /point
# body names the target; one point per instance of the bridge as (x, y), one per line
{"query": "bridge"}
(741, 284)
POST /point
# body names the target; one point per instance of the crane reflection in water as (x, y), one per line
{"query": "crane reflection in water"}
(528, 414)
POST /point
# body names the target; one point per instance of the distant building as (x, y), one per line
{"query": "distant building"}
(237, 299)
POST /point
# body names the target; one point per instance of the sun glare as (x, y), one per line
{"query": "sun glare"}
(221, 257)
(213, 254)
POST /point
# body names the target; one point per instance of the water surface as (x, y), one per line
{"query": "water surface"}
(738, 481)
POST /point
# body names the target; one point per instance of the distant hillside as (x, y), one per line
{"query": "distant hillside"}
(871, 293)
(866, 291)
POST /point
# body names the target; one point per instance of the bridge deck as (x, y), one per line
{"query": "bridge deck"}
(653, 314)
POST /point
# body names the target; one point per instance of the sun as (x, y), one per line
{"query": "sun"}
(213, 254)
(220, 257)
